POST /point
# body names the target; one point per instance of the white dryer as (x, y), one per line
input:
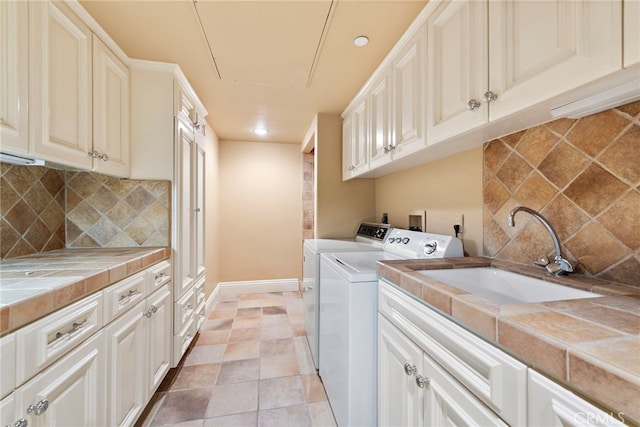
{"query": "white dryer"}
(369, 237)
(348, 320)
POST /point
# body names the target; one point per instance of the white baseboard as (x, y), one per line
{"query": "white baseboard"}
(212, 300)
(233, 289)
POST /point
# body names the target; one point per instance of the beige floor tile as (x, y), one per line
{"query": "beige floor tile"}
(290, 416)
(278, 366)
(250, 303)
(213, 337)
(183, 405)
(196, 376)
(247, 322)
(222, 314)
(313, 388)
(249, 311)
(242, 350)
(226, 305)
(245, 334)
(281, 392)
(321, 415)
(246, 419)
(203, 354)
(273, 310)
(234, 398)
(216, 325)
(277, 347)
(236, 371)
(275, 319)
(276, 332)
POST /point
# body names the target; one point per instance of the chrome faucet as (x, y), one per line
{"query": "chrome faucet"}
(560, 265)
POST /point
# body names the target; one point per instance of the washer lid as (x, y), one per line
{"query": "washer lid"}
(357, 266)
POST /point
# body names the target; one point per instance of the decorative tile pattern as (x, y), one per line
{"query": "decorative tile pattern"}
(584, 177)
(32, 209)
(104, 211)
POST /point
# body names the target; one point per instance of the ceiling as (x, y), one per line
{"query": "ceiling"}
(261, 63)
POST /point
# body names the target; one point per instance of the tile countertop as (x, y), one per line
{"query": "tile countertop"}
(591, 345)
(36, 285)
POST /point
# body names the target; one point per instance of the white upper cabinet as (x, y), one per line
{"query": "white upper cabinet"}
(110, 111)
(542, 49)
(381, 137)
(409, 96)
(356, 135)
(631, 26)
(14, 76)
(457, 69)
(60, 91)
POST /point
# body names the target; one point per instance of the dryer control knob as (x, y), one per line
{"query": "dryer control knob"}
(430, 247)
(405, 240)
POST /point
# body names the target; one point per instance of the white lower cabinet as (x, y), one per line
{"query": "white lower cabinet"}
(159, 316)
(462, 380)
(8, 413)
(417, 391)
(7, 365)
(69, 392)
(551, 405)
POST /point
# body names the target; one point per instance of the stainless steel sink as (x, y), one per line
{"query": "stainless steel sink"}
(504, 287)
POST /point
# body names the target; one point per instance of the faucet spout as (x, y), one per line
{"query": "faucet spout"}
(560, 265)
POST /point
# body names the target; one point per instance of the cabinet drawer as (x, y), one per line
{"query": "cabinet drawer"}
(157, 276)
(199, 291)
(8, 416)
(551, 405)
(125, 294)
(183, 310)
(7, 365)
(200, 315)
(182, 340)
(493, 376)
(46, 340)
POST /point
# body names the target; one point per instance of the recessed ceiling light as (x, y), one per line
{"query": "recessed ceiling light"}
(361, 41)
(261, 131)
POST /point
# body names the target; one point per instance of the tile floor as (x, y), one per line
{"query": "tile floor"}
(250, 366)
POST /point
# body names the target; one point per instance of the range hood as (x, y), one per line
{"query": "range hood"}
(19, 160)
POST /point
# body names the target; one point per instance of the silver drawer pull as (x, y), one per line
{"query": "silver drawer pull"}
(409, 369)
(39, 408)
(188, 307)
(151, 311)
(422, 382)
(160, 277)
(20, 423)
(188, 337)
(75, 327)
(125, 299)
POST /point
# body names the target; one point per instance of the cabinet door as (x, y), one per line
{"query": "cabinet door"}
(457, 69)
(631, 25)
(360, 138)
(110, 112)
(347, 147)
(60, 85)
(399, 399)
(159, 337)
(447, 403)
(198, 212)
(380, 142)
(126, 367)
(409, 97)
(185, 146)
(14, 76)
(8, 415)
(551, 405)
(69, 393)
(7, 364)
(540, 49)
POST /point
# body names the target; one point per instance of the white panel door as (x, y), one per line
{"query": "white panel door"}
(110, 112)
(60, 85)
(540, 49)
(457, 69)
(631, 25)
(159, 332)
(409, 96)
(347, 147)
(184, 218)
(399, 398)
(8, 416)
(380, 141)
(70, 392)
(14, 76)
(199, 204)
(447, 403)
(126, 367)
(361, 138)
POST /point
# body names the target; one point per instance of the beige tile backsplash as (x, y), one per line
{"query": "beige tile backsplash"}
(584, 177)
(44, 209)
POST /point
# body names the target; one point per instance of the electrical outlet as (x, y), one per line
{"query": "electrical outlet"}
(460, 221)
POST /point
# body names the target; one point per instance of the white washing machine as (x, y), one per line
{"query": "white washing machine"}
(348, 320)
(369, 238)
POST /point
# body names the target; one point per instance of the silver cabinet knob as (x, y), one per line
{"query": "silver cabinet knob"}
(409, 369)
(473, 104)
(104, 157)
(20, 423)
(489, 96)
(421, 381)
(39, 408)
